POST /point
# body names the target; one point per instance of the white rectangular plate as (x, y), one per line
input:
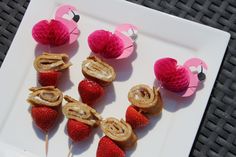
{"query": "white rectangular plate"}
(160, 35)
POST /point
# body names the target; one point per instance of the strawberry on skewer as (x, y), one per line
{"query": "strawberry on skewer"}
(44, 118)
(77, 131)
(45, 103)
(108, 148)
(49, 67)
(145, 101)
(135, 118)
(119, 134)
(90, 91)
(81, 119)
(48, 78)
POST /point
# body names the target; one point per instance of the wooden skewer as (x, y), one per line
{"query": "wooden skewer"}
(46, 144)
(70, 150)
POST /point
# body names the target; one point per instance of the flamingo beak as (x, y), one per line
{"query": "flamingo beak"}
(76, 17)
(201, 76)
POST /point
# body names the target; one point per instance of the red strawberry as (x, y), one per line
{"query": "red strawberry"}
(77, 130)
(135, 118)
(107, 148)
(90, 91)
(44, 117)
(48, 78)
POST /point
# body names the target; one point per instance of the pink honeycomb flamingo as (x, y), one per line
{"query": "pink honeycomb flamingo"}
(58, 31)
(117, 45)
(177, 78)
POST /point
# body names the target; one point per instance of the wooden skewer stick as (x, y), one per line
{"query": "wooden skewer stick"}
(46, 144)
(70, 150)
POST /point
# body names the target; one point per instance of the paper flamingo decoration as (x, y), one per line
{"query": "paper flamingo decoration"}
(177, 78)
(58, 31)
(117, 45)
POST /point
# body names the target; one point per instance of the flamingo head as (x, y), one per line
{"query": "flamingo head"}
(195, 77)
(68, 16)
(128, 34)
(67, 12)
(177, 78)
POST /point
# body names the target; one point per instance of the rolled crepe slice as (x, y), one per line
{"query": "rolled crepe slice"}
(95, 69)
(146, 99)
(119, 131)
(81, 112)
(51, 62)
(48, 96)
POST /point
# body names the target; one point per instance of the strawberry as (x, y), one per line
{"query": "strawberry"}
(107, 148)
(90, 91)
(44, 117)
(48, 78)
(135, 118)
(77, 130)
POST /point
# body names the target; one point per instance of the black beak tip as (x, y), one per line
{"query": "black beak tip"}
(76, 18)
(201, 76)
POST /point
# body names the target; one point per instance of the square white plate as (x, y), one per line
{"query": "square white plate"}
(160, 35)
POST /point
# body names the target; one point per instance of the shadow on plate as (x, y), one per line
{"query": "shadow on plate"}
(108, 97)
(71, 49)
(173, 102)
(64, 82)
(141, 132)
(123, 67)
(153, 120)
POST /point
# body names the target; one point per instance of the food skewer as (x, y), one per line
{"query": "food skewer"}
(45, 104)
(81, 119)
